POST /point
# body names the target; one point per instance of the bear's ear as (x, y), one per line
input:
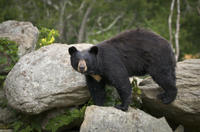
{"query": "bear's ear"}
(94, 50)
(72, 50)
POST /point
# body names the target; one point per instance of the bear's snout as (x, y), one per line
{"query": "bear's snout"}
(82, 67)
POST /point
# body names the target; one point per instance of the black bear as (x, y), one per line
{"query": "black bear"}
(131, 53)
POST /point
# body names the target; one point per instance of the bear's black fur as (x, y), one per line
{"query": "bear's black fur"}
(134, 52)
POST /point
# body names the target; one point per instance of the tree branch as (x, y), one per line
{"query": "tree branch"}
(109, 26)
(188, 7)
(81, 6)
(61, 17)
(198, 10)
(99, 21)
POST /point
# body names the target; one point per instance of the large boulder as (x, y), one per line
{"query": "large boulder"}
(110, 119)
(44, 79)
(185, 109)
(23, 33)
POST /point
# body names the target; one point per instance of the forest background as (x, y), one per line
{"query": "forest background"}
(93, 21)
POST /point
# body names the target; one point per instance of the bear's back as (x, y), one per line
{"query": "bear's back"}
(139, 49)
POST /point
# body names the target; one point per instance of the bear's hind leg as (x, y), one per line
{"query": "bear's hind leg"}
(168, 82)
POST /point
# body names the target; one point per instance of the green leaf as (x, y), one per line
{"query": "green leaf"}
(27, 129)
(65, 119)
(17, 125)
(47, 37)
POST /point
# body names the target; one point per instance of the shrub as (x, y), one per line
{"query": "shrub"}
(8, 57)
(47, 37)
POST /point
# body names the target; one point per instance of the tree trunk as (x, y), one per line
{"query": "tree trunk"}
(198, 11)
(61, 18)
(170, 22)
(84, 22)
(177, 30)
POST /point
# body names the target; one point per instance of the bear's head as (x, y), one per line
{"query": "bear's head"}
(84, 61)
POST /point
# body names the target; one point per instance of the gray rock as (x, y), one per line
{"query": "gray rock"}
(185, 109)
(23, 33)
(110, 119)
(44, 79)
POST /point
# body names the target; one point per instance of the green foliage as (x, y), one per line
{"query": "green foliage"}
(112, 97)
(190, 34)
(47, 37)
(7, 10)
(3, 103)
(8, 57)
(65, 119)
(28, 129)
(27, 123)
(136, 13)
(17, 125)
(32, 123)
(136, 93)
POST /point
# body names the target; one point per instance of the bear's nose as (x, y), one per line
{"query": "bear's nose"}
(81, 68)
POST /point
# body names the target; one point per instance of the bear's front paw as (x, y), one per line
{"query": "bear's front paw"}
(121, 107)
